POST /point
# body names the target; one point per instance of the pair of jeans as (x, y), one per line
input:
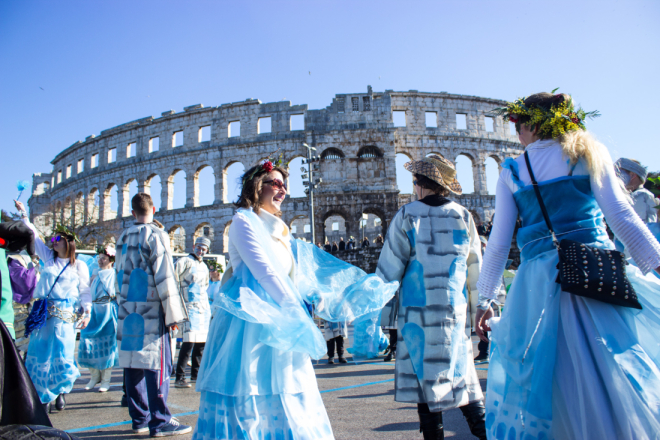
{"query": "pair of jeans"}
(188, 348)
(339, 343)
(147, 392)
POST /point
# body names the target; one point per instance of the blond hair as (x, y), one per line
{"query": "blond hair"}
(582, 144)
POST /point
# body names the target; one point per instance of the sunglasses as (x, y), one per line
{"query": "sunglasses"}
(277, 184)
(56, 239)
(414, 182)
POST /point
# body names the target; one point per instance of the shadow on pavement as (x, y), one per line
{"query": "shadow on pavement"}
(353, 373)
(403, 426)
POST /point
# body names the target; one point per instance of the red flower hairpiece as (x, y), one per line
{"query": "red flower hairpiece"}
(267, 166)
(513, 119)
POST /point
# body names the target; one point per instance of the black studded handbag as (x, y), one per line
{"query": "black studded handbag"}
(586, 270)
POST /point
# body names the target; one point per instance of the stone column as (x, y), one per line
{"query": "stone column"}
(479, 173)
(218, 187)
(104, 205)
(143, 186)
(122, 201)
(192, 190)
(166, 194)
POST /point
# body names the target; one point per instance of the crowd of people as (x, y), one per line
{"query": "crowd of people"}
(567, 360)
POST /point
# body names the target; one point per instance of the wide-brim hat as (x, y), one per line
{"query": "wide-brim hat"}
(438, 169)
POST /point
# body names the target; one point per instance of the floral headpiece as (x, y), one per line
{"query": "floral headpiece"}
(214, 266)
(63, 230)
(552, 122)
(110, 251)
(266, 166)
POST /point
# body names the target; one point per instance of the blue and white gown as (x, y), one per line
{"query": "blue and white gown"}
(563, 366)
(98, 341)
(256, 379)
(50, 356)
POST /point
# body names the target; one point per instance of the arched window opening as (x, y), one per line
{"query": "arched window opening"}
(179, 192)
(335, 229)
(403, 176)
(371, 229)
(232, 182)
(113, 193)
(492, 175)
(205, 186)
(204, 230)
(225, 239)
(369, 152)
(154, 190)
(295, 185)
(301, 229)
(332, 153)
(178, 239)
(464, 173)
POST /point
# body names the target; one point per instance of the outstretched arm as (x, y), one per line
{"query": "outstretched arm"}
(44, 252)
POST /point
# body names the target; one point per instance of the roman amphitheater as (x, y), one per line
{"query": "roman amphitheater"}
(357, 138)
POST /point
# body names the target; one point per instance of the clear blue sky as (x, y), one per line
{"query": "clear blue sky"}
(73, 68)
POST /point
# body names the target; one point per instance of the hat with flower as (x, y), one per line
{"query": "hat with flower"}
(108, 250)
(267, 166)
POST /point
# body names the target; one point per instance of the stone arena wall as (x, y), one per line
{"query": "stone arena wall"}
(355, 136)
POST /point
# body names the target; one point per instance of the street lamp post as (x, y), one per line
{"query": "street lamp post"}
(310, 184)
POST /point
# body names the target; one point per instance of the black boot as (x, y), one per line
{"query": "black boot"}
(430, 423)
(475, 414)
(340, 349)
(60, 403)
(47, 407)
(391, 355)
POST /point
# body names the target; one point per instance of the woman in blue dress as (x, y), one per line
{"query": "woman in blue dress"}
(97, 349)
(256, 379)
(50, 355)
(564, 366)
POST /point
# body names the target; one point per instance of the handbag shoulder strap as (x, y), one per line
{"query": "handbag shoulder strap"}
(56, 279)
(537, 191)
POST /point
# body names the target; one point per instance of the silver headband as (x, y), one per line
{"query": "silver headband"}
(203, 241)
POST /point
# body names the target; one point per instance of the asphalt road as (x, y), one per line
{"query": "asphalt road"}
(359, 398)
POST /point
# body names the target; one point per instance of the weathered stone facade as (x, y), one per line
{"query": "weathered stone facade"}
(355, 136)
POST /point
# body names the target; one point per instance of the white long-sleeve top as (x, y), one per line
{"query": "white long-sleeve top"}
(47, 255)
(548, 163)
(244, 246)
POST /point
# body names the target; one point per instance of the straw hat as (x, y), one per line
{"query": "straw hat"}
(438, 169)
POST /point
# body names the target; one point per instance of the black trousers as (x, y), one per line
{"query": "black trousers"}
(430, 423)
(393, 335)
(188, 348)
(483, 346)
(339, 342)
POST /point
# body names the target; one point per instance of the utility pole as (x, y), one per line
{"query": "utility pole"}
(310, 183)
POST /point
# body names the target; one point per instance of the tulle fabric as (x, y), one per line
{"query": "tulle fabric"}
(50, 357)
(564, 366)
(256, 377)
(368, 340)
(98, 341)
(275, 417)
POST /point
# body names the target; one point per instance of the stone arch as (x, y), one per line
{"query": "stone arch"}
(403, 176)
(376, 223)
(203, 196)
(68, 212)
(492, 170)
(177, 238)
(176, 195)
(79, 215)
(466, 173)
(225, 238)
(108, 201)
(205, 229)
(59, 213)
(369, 152)
(335, 226)
(475, 215)
(231, 184)
(297, 227)
(156, 193)
(125, 196)
(93, 205)
(332, 153)
(294, 183)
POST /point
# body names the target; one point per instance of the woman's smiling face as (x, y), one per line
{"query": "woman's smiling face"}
(272, 192)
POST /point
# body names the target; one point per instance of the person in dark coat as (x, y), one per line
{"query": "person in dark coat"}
(335, 248)
(342, 244)
(365, 242)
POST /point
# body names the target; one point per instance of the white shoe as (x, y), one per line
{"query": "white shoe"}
(96, 378)
(106, 375)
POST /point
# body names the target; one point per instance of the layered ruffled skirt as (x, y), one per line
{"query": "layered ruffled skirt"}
(568, 367)
(98, 341)
(50, 360)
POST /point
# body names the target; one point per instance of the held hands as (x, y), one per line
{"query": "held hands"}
(480, 322)
(85, 321)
